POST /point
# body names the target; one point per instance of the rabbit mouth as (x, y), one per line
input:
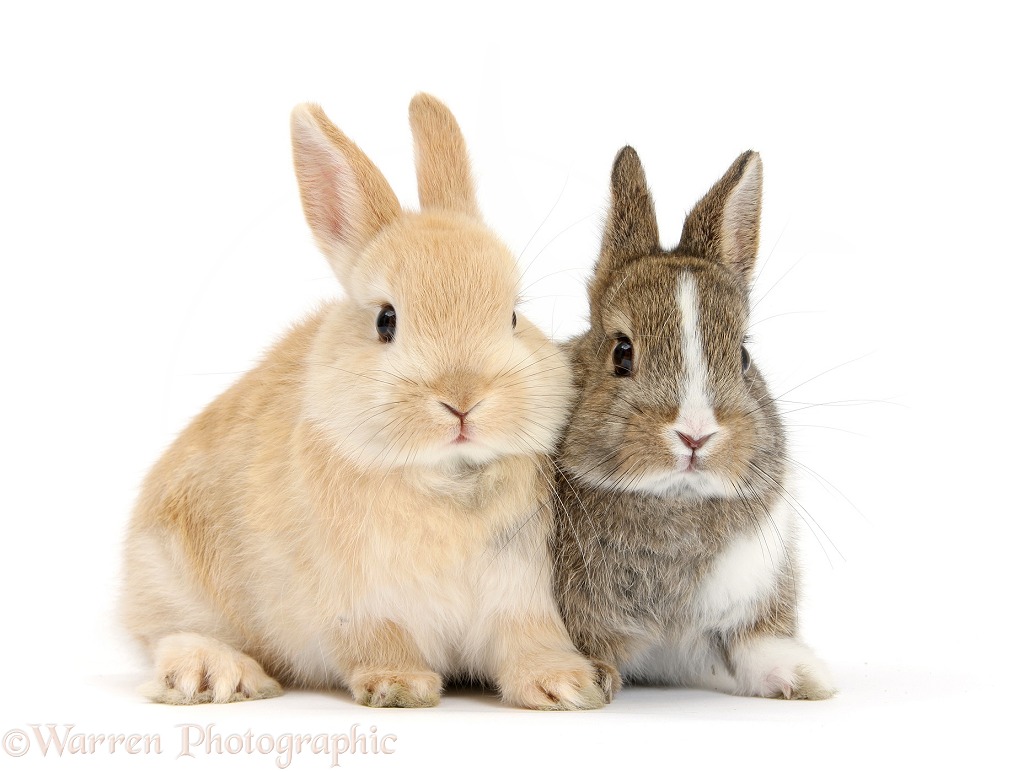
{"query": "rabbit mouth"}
(465, 446)
(688, 465)
(465, 433)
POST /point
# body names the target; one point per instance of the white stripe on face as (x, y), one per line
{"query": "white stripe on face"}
(696, 414)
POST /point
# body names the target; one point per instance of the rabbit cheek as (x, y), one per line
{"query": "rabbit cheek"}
(649, 448)
(736, 440)
(607, 447)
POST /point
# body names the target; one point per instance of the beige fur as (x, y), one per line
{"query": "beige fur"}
(319, 523)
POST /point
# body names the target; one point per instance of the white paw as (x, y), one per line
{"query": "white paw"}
(782, 668)
(193, 669)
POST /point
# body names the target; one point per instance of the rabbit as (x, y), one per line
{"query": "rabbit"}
(675, 534)
(369, 507)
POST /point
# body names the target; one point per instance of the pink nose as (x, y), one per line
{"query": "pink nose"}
(694, 443)
(459, 414)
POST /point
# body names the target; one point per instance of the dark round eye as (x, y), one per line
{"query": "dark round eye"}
(622, 357)
(514, 320)
(746, 361)
(386, 324)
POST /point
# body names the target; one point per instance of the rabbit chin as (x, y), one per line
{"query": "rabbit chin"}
(454, 456)
(695, 484)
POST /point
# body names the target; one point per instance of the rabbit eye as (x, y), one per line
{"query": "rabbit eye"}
(622, 357)
(514, 320)
(746, 361)
(386, 324)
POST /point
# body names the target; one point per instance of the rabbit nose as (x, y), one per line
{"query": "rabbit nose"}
(460, 414)
(694, 443)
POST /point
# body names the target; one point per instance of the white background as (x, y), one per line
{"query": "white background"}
(152, 246)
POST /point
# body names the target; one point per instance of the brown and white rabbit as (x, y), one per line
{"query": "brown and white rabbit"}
(676, 537)
(368, 507)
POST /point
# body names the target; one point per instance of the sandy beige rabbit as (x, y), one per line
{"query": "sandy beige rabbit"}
(368, 507)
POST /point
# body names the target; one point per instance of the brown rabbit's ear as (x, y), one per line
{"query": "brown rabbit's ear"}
(630, 231)
(444, 180)
(346, 199)
(725, 224)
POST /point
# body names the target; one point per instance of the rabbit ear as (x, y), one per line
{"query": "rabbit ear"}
(346, 199)
(444, 180)
(725, 224)
(631, 228)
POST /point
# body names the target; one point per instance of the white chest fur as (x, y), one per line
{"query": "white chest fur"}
(744, 572)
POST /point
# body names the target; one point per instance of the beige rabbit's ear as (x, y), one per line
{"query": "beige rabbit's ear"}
(444, 180)
(725, 224)
(346, 199)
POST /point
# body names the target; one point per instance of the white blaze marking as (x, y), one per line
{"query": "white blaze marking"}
(696, 415)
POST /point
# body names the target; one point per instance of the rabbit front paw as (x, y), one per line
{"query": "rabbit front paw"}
(569, 683)
(801, 682)
(784, 669)
(193, 669)
(397, 690)
(607, 677)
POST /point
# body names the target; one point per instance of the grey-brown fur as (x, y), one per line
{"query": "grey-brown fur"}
(631, 562)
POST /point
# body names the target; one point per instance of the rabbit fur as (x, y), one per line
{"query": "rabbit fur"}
(675, 530)
(363, 510)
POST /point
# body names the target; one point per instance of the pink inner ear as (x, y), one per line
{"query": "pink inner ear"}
(328, 184)
(346, 200)
(325, 186)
